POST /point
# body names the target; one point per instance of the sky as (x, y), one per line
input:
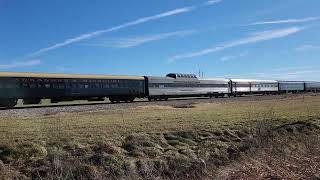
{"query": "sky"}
(271, 39)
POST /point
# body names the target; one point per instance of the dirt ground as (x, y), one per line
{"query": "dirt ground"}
(260, 137)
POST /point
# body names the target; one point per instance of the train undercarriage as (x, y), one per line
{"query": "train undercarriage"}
(11, 103)
(8, 103)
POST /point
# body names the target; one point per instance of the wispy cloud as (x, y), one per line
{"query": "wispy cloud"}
(233, 57)
(253, 38)
(20, 64)
(137, 41)
(287, 21)
(116, 28)
(212, 2)
(308, 48)
(292, 73)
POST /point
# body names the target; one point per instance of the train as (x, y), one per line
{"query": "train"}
(33, 87)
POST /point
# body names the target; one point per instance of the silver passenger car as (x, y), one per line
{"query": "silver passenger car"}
(250, 86)
(291, 86)
(184, 85)
(313, 86)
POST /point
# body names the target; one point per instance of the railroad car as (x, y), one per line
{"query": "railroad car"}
(291, 86)
(32, 87)
(182, 85)
(312, 86)
(248, 86)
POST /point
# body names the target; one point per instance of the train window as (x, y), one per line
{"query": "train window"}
(74, 85)
(86, 86)
(8, 85)
(68, 86)
(25, 85)
(32, 85)
(80, 86)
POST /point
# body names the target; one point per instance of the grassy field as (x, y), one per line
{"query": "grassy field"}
(127, 143)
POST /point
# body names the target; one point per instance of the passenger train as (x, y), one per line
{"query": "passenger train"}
(32, 87)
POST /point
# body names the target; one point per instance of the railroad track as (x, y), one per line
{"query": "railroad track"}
(33, 111)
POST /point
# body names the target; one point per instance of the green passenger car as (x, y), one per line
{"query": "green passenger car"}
(32, 87)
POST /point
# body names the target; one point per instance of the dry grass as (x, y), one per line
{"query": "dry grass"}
(144, 142)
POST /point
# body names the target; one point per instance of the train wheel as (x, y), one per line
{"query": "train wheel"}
(131, 99)
(8, 103)
(31, 101)
(112, 100)
(54, 101)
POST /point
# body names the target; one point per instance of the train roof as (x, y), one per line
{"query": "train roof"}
(215, 79)
(291, 81)
(66, 76)
(181, 76)
(254, 81)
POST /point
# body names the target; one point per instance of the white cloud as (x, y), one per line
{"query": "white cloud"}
(308, 48)
(212, 2)
(292, 73)
(232, 57)
(20, 64)
(116, 28)
(136, 41)
(287, 21)
(119, 27)
(254, 38)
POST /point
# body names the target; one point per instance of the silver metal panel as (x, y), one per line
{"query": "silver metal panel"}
(241, 89)
(264, 89)
(185, 91)
(256, 86)
(312, 86)
(291, 86)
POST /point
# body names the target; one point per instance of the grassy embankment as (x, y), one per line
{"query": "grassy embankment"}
(155, 141)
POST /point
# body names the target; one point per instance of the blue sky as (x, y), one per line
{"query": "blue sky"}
(271, 39)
